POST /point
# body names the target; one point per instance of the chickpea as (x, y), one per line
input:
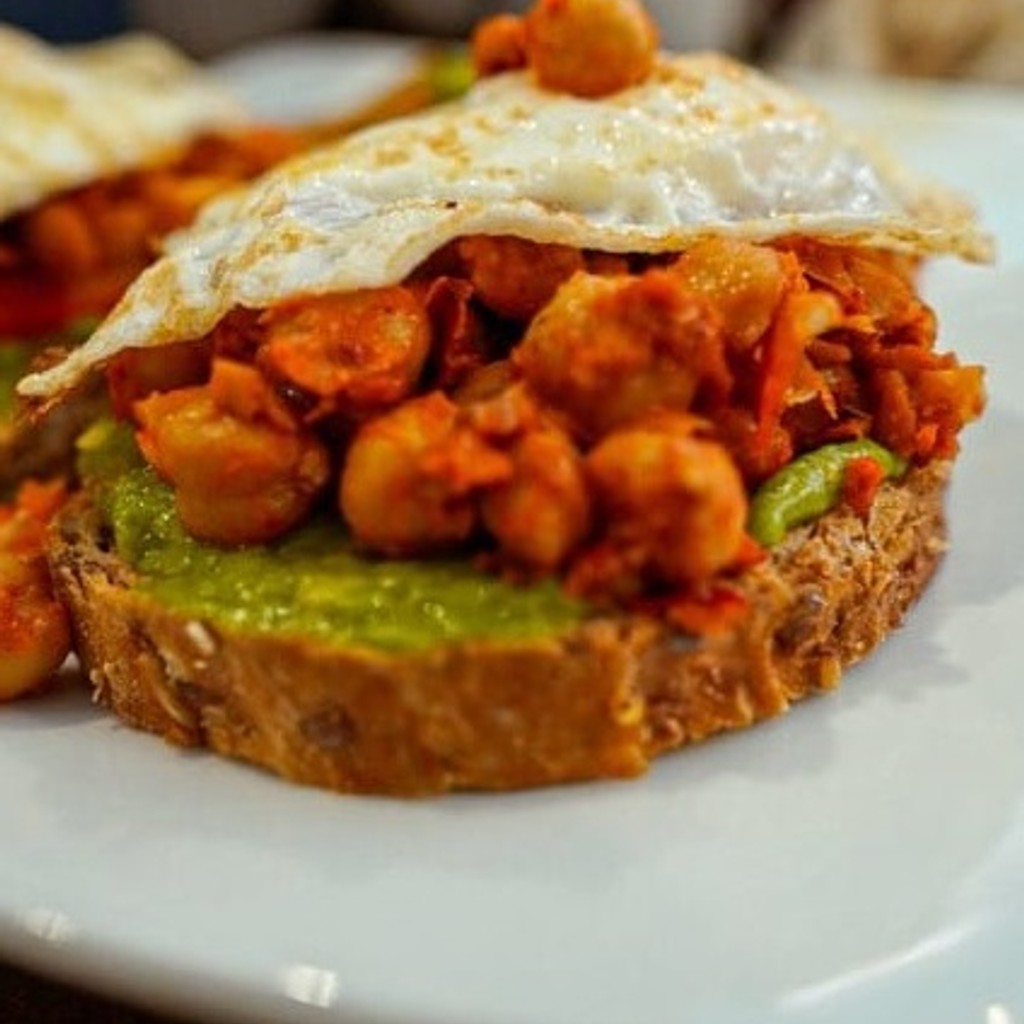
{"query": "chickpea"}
(542, 514)
(746, 283)
(35, 636)
(671, 499)
(499, 44)
(514, 276)
(410, 476)
(590, 48)
(243, 472)
(61, 240)
(607, 350)
(358, 352)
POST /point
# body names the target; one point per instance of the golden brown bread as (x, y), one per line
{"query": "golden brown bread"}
(598, 701)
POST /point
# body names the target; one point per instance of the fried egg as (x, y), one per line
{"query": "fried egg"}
(73, 115)
(703, 146)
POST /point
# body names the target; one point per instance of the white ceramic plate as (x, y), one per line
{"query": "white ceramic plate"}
(861, 859)
(319, 77)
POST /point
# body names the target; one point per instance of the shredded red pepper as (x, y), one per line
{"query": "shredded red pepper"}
(614, 369)
(719, 610)
(31, 306)
(34, 633)
(861, 481)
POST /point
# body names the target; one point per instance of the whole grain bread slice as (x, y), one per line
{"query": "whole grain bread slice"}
(597, 701)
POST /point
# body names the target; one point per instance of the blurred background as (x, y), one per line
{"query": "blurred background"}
(205, 28)
(981, 39)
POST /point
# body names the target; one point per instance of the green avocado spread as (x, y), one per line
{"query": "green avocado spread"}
(14, 360)
(16, 355)
(810, 486)
(450, 73)
(313, 582)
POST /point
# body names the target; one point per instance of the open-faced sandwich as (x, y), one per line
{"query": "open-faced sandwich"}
(106, 149)
(522, 440)
(109, 148)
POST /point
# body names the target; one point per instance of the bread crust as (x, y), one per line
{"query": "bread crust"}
(598, 701)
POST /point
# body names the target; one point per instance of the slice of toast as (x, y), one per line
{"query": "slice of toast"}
(597, 701)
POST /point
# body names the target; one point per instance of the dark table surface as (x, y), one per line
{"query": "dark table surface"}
(27, 998)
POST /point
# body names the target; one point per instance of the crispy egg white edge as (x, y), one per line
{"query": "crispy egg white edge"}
(706, 146)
